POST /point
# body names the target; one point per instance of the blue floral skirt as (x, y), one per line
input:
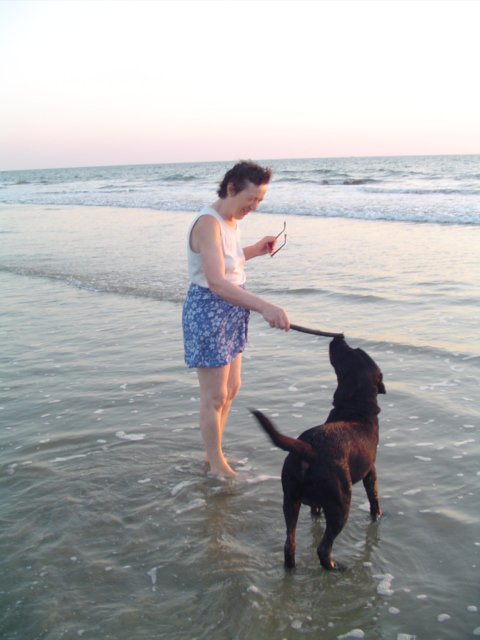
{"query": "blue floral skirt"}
(214, 331)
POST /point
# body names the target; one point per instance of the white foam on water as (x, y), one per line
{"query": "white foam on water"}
(296, 624)
(412, 492)
(153, 576)
(130, 436)
(393, 610)
(195, 504)
(253, 589)
(144, 481)
(354, 633)
(68, 458)
(424, 444)
(464, 442)
(423, 458)
(181, 485)
(405, 636)
(384, 587)
(472, 608)
(261, 478)
(476, 632)
(365, 506)
(298, 404)
(443, 617)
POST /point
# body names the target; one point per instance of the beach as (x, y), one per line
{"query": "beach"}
(110, 525)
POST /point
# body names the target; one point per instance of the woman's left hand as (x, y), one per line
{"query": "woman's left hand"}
(266, 245)
(262, 247)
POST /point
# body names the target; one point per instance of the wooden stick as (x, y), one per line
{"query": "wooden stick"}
(316, 332)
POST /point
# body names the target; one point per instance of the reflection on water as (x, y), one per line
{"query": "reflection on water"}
(110, 527)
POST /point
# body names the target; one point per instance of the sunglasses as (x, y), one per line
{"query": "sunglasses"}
(282, 232)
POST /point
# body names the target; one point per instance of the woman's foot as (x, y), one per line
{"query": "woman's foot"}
(222, 470)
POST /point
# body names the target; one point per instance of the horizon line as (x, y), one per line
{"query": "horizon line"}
(260, 160)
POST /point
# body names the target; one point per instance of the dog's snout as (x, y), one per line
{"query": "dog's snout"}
(381, 387)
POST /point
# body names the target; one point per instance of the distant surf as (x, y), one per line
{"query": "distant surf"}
(417, 189)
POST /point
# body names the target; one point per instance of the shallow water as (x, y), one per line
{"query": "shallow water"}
(110, 526)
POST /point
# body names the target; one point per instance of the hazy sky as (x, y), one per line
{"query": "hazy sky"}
(118, 82)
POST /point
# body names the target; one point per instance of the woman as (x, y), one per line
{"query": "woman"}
(217, 307)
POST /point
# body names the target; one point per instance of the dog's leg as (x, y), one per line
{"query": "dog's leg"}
(291, 509)
(336, 517)
(371, 487)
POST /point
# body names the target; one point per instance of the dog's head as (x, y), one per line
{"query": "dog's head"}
(359, 378)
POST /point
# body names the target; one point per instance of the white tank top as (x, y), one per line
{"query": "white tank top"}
(232, 252)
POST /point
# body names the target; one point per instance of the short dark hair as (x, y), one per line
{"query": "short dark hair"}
(243, 172)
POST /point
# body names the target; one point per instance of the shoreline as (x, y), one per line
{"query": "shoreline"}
(19, 206)
(420, 276)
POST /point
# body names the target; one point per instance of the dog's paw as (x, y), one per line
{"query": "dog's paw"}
(334, 567)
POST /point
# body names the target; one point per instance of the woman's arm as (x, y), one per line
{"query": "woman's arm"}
(206, 240)
(260, 248)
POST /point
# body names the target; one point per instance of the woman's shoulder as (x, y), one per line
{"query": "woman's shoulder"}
(205, 224)
(208, 217)
(206, 214)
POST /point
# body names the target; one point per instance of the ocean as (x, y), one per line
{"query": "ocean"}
(438, 189)
(111, 527)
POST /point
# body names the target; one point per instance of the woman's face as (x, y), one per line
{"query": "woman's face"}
(246, 200)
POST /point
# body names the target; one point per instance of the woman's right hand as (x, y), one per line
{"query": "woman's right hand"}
(276, 317)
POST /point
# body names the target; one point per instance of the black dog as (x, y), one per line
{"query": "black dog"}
(325, 461)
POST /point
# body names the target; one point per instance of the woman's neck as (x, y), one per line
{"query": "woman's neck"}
(224, 210)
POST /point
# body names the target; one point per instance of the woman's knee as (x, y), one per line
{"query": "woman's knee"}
(233, 389)
(216, 399)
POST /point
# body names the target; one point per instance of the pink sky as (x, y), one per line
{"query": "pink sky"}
(91, 83)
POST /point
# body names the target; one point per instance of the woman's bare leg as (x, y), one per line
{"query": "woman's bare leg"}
(215, 402)
(233, 386)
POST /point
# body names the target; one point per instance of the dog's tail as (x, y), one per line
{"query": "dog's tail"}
(303, 449)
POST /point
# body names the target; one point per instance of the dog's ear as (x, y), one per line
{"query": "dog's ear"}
(369, 362)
